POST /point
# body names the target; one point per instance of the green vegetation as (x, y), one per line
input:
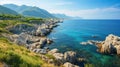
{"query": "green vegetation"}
(9, 16)
(30, 11)
(12, 54)
(17, 56)
(8, 20)
(88, 65)
(50, 56)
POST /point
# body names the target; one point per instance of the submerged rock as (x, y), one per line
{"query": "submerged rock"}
(90, 42)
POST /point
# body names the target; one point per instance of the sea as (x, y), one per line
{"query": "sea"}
(69, 34)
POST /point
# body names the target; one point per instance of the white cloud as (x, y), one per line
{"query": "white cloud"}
(100, 13)
(53, 7)
(63, 3)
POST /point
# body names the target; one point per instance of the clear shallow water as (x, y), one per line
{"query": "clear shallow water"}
(71, 32)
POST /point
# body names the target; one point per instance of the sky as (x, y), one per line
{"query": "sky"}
(87, 9)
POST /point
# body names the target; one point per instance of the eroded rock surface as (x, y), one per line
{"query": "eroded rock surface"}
(111, 45)
(67, 64)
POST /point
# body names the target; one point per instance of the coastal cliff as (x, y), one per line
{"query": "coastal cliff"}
(32, 36)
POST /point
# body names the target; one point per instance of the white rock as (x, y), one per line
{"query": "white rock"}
(67, 64)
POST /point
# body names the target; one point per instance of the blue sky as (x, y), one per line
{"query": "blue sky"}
(88, 9)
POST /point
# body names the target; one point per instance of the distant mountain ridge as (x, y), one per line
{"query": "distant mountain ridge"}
(30, 11)
(63, 16)
(5, 10)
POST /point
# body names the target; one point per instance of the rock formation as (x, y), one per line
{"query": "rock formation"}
(70, 56)
(32, 36)
(111, 45)
(67, 64)
(90, 42)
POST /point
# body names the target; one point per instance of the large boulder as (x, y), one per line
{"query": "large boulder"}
(67, 64)
(51, 52)
(42, 30)
(70, 56)
(110, 45)
(59, 57)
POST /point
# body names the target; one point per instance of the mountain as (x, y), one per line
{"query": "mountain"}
(63, 16)
(30, 11)
(4, 10)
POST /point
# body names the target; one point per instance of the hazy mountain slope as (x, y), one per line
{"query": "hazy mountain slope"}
(4, 10)
(30, 11)
(63, 16)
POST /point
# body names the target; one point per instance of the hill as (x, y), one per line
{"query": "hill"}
(32, 11)
(4, 10)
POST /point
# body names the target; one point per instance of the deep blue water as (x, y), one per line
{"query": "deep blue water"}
(71, 32)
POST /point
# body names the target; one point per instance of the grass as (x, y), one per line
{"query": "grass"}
(50, 56)
(16, 56)
(16, 20)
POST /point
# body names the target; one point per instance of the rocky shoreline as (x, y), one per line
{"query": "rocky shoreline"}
(33, 37)
(110, 46)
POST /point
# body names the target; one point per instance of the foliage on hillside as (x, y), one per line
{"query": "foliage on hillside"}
(8, 20)
(19, 56)
(15, 55)
(30, 11)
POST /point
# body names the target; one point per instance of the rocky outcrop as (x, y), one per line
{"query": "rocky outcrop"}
(45, 28)
(53, 51)
(58, 56)
(34, 29)
(67, 64)
(33, 35)
(70, 56)
(20, 28)
(111, 45)
(90, 42)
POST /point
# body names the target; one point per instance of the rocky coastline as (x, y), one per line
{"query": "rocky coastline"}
(33, 37)
(111, 45)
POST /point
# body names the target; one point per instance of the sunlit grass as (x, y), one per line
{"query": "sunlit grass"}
(10, 52)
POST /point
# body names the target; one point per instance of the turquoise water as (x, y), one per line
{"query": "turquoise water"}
(70, 33)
